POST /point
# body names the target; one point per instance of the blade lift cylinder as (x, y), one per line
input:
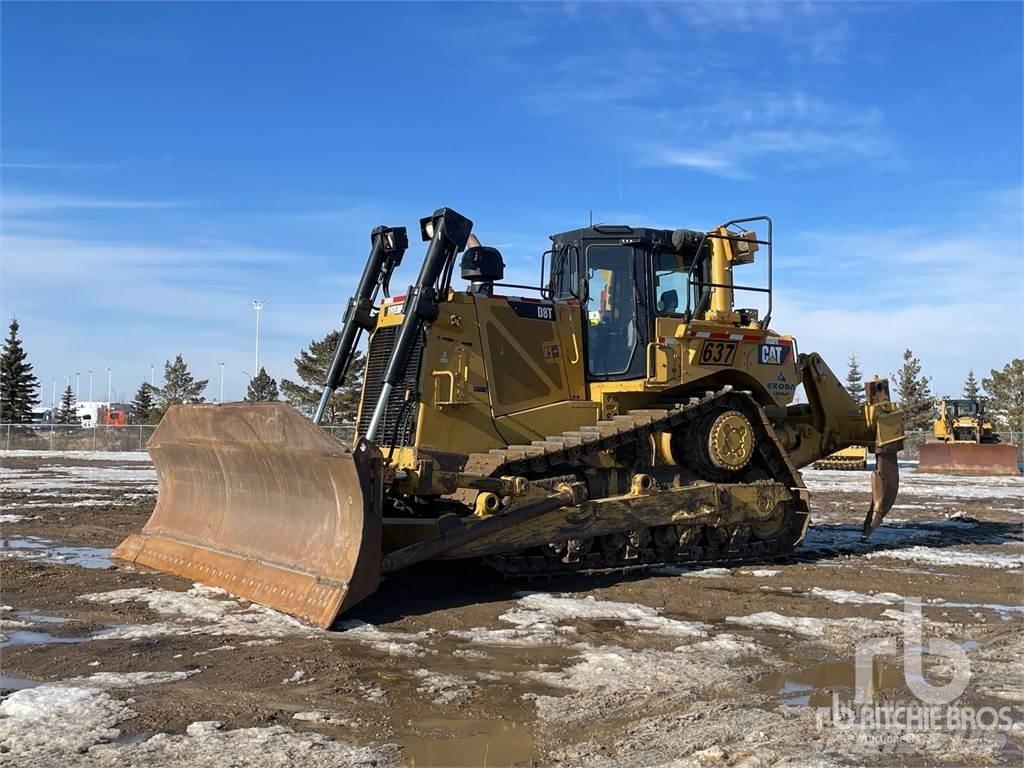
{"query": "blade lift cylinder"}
(388, 247)
(448, 232)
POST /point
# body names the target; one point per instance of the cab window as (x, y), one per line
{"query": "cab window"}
(670, 283)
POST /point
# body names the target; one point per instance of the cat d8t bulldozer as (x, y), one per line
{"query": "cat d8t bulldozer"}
(622, 414)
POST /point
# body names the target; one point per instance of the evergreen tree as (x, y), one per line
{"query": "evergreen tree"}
(179, 386)
(914, 392)
(262, 388)
(142, 405)
(855, 380)
(67, 414)
(312, 365)
(18, 385)
(1005, 390)
(971, 388)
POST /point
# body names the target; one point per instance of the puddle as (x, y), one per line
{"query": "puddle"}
(35, 548)
(813, 686)
(39, 618)
(1005, 611)
(27, 637)
(8, 683)
(133, 738)
(459, 743)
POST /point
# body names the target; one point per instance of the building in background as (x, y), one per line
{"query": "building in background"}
(101, 413)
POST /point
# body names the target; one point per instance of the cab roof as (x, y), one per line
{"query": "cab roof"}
(661, 238)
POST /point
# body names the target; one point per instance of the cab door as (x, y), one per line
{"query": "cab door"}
(614, 312)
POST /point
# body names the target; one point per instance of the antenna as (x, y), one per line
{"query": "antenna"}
(591, 218)
(618, 165)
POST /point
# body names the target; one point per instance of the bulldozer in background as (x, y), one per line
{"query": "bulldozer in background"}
(965, 443)
(628, 415)
(854, 457)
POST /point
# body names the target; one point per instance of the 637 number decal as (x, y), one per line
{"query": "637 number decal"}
(717, 352)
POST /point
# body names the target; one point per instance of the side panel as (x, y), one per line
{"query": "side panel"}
(455, 387)
(493, 370)
(525, 354)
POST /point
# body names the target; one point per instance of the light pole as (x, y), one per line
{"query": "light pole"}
(110, 381)
(53, 396)
(250, 379)
(221, 381)
(78, 386)
(90, 385)
(152, 375)
(258, 306)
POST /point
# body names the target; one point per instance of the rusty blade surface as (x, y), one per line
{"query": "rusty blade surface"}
(255, 499)
(969, 459)
(885, 484)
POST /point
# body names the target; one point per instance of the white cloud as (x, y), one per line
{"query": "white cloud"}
(952, 296)
(14, 204)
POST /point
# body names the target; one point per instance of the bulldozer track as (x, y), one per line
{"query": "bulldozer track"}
(841, 464)
(573, 452)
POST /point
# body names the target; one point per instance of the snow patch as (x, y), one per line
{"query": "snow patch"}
(54, 721)
(82, 455)
(104, 681)
(541, 613)
(443, 688)
(52, 478)
(201, 610)
(610, 682)
(953, 557)
(16, 518)
(934, 487)
(846, 596)
(840, 632)
(800, 625)
(685, 570)
(724, 645)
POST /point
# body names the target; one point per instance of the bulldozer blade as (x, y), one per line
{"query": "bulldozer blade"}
(969, 459)
(885, 484)
(257, 500)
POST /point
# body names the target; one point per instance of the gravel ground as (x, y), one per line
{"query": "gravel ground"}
(450, 665)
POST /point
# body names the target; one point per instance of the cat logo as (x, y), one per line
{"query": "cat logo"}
(773, 354)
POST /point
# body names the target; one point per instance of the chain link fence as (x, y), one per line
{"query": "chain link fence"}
(71, 437)
(106, 438)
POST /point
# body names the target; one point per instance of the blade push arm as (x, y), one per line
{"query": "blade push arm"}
(831, 420)
(388, 246)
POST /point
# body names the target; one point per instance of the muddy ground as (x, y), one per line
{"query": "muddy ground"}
(450, 665)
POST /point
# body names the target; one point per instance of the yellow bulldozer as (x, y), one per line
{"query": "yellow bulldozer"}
(621, 414)
(854, 457)
(965, 443)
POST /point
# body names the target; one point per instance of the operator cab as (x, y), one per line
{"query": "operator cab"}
(626, 277)
(963, 408)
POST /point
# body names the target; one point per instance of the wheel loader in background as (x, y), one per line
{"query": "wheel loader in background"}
(629, 414)
(965, 443)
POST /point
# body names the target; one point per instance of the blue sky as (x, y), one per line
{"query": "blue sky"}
(164, 164)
